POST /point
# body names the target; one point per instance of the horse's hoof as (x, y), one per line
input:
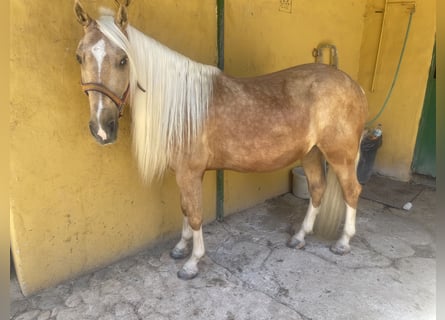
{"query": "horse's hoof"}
(184, 274)
(340, 249)
(294, 243)
(179, 253)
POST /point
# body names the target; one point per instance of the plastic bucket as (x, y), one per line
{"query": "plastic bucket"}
(368, 151)
(299, 183)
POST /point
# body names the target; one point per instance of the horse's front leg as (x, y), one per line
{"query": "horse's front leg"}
(190, 185)
(190, 268)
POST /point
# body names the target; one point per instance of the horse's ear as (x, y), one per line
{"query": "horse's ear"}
(121, 18)
(81, 15)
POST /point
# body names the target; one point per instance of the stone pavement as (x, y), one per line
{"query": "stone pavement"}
(249, 273)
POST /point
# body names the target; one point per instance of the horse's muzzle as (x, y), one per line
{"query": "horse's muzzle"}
(105, 134)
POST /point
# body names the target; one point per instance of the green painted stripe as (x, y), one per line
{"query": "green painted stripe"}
(220, 48)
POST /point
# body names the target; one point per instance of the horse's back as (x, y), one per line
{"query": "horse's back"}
(269, 121)
(300, 90)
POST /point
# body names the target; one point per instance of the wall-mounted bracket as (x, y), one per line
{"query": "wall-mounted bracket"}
(318, 54)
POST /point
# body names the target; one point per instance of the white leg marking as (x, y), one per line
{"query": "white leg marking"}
(349, 228)
(187, 234)
(191, 266)
(308, 222)
(99, 53)
(101, 132)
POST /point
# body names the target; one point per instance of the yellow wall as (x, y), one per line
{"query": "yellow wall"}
(260, 38)
(400, 120)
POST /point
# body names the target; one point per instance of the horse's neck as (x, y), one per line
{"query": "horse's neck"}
(170, 116)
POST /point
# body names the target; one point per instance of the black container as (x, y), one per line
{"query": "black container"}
(368, 151)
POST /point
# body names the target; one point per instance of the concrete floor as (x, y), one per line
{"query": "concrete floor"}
(249, 273)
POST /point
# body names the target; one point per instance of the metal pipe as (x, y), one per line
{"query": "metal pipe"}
(220, 49)
(396, 74)
(220, 32)
(377, 59)
(402, 2)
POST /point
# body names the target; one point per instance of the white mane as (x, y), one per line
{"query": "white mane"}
(169, 116)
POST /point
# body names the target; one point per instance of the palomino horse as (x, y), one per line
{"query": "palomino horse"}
(190, 117)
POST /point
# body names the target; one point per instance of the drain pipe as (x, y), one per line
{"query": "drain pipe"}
(412, 10)
(220, 53)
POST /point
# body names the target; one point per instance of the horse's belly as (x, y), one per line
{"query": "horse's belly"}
(257, 155)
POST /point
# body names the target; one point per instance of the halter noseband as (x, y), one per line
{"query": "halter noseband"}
(118, 101)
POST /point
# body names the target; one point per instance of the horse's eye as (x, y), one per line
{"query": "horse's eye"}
(79, 58)
(124, 61)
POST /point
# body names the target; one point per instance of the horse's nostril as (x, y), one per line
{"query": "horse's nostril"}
(112, 125)
(91, 126)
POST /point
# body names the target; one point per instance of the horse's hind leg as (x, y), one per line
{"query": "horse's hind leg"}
(347, 177)
(314, 170)
(342, 246)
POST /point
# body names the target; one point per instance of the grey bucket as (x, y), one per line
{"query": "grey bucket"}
(299, 183)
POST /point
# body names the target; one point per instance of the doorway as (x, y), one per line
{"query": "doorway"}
(424, 161)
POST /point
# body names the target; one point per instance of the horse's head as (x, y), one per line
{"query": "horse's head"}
(105, 73)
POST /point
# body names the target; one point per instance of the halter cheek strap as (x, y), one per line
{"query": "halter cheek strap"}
(118, 101)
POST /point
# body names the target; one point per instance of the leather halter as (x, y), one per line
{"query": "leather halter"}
(118, 101)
